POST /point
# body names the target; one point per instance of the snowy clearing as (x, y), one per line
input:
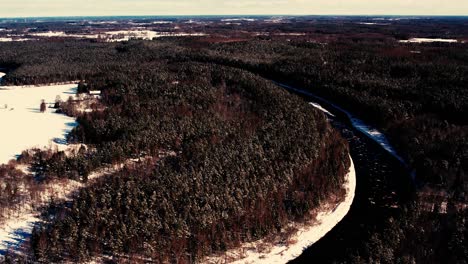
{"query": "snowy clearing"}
(238, 19)
(372, 24)
(13, 39)
(110, 36)
(328, 216)
(25, 126)
(125, 35)
(428, 40)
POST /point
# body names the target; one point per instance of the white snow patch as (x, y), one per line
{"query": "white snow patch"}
(125, 35)
(102, 22)
(238, 19)
(13, 39)
(24, 126)
(372, 24)
(50, 34)
(14, 233)
(306, 236)
(428, 40)
(275, 20)
(319, 107)
(290, 34)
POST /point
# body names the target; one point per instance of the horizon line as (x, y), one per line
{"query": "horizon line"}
(237, 15)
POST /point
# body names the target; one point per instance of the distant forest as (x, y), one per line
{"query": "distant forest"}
(209, 100)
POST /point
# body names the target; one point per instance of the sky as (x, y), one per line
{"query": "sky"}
(42, 8)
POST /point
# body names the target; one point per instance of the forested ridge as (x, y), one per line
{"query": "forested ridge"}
(249, 158)
(416, 93)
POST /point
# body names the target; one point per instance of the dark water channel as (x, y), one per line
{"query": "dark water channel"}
(383, 185)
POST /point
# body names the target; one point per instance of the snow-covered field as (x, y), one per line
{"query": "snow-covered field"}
(24, 126)
(111, 36)
(13, 39)
(306, 235)
(125, 35)
(428, 40)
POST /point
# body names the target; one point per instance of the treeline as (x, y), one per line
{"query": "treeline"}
(249, 158)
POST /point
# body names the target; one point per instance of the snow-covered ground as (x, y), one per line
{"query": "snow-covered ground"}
(306, 235)
(125, 35)
(111, 36)
(428, 40)
(16, 231)
(238, 19)
(359, 124)
(24, 126)
(13, 39)
(319, 107)
(372, 24)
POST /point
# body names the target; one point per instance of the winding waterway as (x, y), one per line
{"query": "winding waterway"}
(383, 185)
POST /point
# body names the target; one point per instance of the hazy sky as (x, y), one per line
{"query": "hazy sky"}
(37, 8)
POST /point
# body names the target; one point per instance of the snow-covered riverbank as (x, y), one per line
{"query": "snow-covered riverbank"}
(307, 234)
(359, 124)
(24, 126)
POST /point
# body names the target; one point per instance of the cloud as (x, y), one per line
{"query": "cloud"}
(209, 7)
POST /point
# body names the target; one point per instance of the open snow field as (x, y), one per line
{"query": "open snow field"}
(24, 126)
(110, 36)
(428, 40)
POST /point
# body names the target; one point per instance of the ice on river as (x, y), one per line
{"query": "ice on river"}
(359, 124)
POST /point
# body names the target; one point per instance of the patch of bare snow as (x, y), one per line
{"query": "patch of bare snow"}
(50, 34)
(428, 40)
(372, 24)
(125, 35)
(238, 19)
(25, 126)
(318, 106)
(306, 235)
(275, 20)
(14, 233)
(9, 39)
(290, 34)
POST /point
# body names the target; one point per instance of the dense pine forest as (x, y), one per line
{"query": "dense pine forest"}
(244, 150)
(247, 158)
